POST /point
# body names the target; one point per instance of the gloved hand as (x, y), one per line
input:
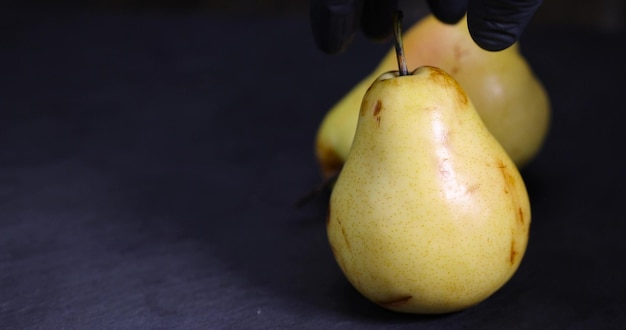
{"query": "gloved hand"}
(493, 24)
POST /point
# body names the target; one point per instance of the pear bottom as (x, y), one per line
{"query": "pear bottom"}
(424, 269)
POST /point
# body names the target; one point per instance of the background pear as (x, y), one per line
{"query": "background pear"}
(508, 96)
(429, 214)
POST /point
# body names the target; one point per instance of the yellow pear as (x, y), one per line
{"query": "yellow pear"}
(429, 214)
(510, 99)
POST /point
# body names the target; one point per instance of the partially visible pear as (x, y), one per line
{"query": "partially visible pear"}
(429, 214)
(510, 99)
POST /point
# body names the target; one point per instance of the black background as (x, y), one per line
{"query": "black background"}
(150, 162)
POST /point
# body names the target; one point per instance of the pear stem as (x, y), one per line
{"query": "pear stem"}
(397, 33)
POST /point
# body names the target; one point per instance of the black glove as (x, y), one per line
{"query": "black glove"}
(493, 24)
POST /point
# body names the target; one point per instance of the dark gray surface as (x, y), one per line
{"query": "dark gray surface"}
(149, 164)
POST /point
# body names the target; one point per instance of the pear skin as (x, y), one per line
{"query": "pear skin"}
(510, 99)
(429, 214)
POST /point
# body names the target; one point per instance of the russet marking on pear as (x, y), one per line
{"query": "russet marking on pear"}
(376, 113)
(394, 302)
(513, 252)
(378, 107)
(441, 77)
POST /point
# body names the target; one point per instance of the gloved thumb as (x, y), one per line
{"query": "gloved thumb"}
(497, 24)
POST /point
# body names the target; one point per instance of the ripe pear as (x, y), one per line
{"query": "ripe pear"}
(429, 214)
(510, 99)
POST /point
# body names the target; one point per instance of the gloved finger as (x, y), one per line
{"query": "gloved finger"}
(377, 18)
(448, 11)
(497, 24)
(334, 23)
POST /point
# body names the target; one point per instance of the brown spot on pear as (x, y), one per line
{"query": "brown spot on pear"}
(513, 253)
(330, 161)
(441, 77)
(395, 301)
(378, 107)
